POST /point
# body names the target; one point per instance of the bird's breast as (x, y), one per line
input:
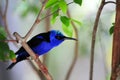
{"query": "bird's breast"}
(43, 48)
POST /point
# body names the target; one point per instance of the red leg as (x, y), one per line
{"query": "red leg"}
(44, 68)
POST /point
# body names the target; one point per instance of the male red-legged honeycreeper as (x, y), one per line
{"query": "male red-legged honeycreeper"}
(41, 44)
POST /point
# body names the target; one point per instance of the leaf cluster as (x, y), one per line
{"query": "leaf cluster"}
(56, 6)
(5, 52)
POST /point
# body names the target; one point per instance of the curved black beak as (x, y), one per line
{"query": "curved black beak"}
(69, 38)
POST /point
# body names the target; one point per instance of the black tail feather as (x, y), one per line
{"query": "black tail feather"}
(19, 58)
(11, 66)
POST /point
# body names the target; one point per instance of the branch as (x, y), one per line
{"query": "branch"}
(93, 39)
(33, 55)
(110, 2)
(103, 3)
(75, 50)
(5, 20)
(8, 40)
(27, 48)
(53, 12)
(1, 12)
(6, 8)
(47, 28)
(36, 21)
(115, 71)
(4, 17)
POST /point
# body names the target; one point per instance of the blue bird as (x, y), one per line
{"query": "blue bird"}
(41, 44)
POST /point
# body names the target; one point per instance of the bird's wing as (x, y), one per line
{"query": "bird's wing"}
(38, 39)
(35, 41)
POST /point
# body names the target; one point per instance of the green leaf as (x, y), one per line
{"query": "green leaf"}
(65, 20)
(2, 34)
(55, 8)
(12, 54)
(2, 57)
(55, 13)
(2, 37)
(25, 12)
(4, 50)
(54, 17)
(2, 31)
(76, 21)
(113, 24)
(68, 30)
(111, 30)
(4, 47)
(63, 6)
(50, 3)
(34, 9)
(79, 2)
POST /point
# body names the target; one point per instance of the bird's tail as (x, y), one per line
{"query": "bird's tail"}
(21, 56)
(11, 66)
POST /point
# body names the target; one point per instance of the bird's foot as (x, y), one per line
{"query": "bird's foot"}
(14, 60)
(44, 69)
(37, 56)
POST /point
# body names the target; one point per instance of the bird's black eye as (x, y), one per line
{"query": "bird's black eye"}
(58, 37)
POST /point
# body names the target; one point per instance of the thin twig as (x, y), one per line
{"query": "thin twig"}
(4, 17)
(8, 40)
(93, 39)
(53, 12)
(103, 3)
(110, 2)
(1, 12)
(6, 8)
(36, 21)
(5, 20)
(75, 50)
(47, 28)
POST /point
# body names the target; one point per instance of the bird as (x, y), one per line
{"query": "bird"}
(40, 44)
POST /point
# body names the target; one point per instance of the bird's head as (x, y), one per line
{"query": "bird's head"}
(56, 37)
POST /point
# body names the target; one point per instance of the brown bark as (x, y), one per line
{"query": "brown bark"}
(116, 43)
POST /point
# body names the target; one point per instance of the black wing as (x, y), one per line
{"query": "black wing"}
(37, 40)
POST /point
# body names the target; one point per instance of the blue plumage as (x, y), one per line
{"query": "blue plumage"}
(41, 44)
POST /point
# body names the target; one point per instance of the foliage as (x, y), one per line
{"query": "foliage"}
(111, 30)
(57, 5)
(79, 2)
(27, 7)
(5, 52)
